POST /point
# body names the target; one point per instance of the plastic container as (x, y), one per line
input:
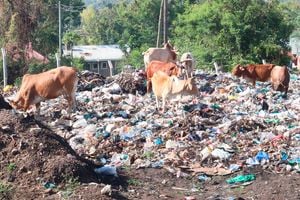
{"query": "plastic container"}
(241, 179)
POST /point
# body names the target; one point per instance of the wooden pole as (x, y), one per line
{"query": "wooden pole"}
(4, 67)
(59, 32)
(165, 21)
(57, 60)
(159, 23)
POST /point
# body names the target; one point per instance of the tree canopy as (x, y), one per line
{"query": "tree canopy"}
(222, 31)
(233, 31)
(34, 22)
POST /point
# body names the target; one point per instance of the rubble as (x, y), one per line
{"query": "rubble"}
(228, 127)
(231, 127)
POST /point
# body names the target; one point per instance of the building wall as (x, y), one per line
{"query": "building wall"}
(101, 67)
(295, 46)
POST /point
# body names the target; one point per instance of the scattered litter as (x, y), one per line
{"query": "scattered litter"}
(241, 179)
(106, 190)
(230, 126)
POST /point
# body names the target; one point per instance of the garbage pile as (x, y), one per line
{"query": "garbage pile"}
(132, 83)
(88, 80)
(229, 128)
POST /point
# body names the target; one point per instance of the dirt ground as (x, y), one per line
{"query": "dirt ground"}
(36, 163)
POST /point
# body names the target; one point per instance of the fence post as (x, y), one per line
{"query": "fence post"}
(57, 60)
(216, 68)
(4, 67)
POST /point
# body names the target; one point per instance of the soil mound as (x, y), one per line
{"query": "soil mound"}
(4, 104)
(32, 156)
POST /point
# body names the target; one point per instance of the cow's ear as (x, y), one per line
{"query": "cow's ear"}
(172, 68)
(251, 68)
(241, 68)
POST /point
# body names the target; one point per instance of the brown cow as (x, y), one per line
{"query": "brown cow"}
(280, 78)
(165, 54)
(47, 85)
(254, 72)
(164, 86)
(154, 66)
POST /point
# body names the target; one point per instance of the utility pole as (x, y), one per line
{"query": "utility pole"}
(59, 33)
(4, 67)
(165, 21)
(159, 23)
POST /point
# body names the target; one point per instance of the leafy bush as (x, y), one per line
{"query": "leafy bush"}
(78, 63)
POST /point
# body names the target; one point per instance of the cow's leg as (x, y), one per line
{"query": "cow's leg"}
(69, 98)
(148, 86)
(73, 95)
(187, 75)
(72, 100)
(38, 108)
(27, 99)
(163, 103)
(157, 106)
(26, 105)
(69, 94)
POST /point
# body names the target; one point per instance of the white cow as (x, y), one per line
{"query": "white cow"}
(165, 54)
(188, 62)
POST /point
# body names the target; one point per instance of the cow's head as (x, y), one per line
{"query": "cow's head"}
(191, 86)
(17, 104)
(168, 45)
(174, 69)
(187, 62)
(238, 70)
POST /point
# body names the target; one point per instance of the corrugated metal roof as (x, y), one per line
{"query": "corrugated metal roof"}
(98, 52)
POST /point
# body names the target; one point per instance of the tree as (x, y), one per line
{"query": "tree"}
(36, 22)
(69, 39)
(127, 23)
(88, 26)
(292, 8)
(46, 34)
(233, 31)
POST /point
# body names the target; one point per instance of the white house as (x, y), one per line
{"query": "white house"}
(295, 49)
(99, 58)
(295, 45)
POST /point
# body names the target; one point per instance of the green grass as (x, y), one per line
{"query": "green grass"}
(11, 167)
(134, 182)
(70, 186)
(149, 155)
(5, 190)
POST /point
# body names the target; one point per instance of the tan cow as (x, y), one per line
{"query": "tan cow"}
(47, 85)
(167, 67)
(165, 86)
(165, 54)
(280, 78)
